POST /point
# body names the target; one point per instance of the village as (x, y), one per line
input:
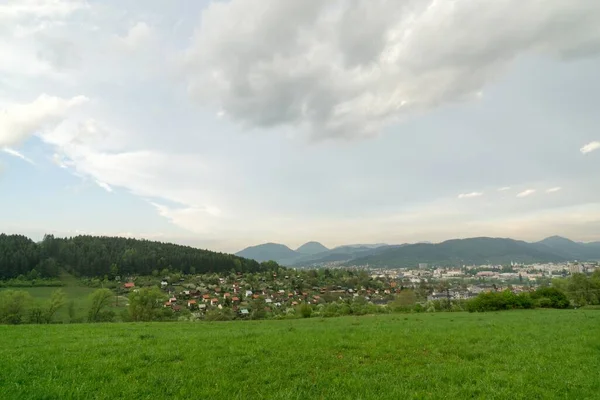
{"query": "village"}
(280, 294)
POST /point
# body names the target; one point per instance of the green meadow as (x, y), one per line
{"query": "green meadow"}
(530, 354)
(75, 292)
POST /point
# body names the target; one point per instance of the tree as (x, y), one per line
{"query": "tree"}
(582, 289)
(99, 301)
(57, 300)
(13, 304)
(305, 310)
(145, 304)
(258, 309)
(71, 310)
(550, 297)
(114, 270)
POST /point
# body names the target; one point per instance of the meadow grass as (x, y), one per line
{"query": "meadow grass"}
(535, 354)
(75, 291)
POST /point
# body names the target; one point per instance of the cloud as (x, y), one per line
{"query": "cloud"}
(526, 193)
(27, 9)
(588, 148)
(20, 121)
(17, 154)
(269, 63)
(137, 36)
(554, 190)
(104, 186)
(504, 189)
(469, 195)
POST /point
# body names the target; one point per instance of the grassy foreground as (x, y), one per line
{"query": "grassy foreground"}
(538, 354)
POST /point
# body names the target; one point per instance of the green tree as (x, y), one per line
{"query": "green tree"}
(258, 309)
(305, 310)
(99, 302)
(57, 300)
(145, 304)
(36, 315)
(13, 306)
(71, 310)
(114, 270)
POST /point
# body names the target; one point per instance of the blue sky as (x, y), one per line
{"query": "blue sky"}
(229, 123)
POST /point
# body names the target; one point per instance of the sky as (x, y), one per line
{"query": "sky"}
(224, 124)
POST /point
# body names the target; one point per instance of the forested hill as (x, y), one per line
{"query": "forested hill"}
(98, 256)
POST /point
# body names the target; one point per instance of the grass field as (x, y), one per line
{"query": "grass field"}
(75, 291)
(538, 354)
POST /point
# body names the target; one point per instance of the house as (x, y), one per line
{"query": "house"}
(235, 299)
(214, 301)
(294, 303)
(206, 298)
(244, 311)
(192, 303)
(226, 295)
(173, 299)
(164, 284)
(129, 285)
(248, 293)
(268, 301)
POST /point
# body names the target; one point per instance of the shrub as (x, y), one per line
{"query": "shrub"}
(550, 297)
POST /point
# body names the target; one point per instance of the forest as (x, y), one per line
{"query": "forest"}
(91, 256)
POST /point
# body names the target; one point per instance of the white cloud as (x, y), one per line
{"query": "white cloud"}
(588, 148)
(469, 195)
(526, 193)
(20, 121)
(554, 190)
(270, 63)
(504, 189)
(18, 154)
(104, 186)
(137, 36)
(27, 9)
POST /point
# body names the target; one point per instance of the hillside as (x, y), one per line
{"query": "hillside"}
(568, 248)
(269, 251)
(462, 251)
(452, 252)
(309, 254)
(100, 256)
(311, 248)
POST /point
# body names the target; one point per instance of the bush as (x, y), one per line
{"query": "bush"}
(494, 301)
(550, 297)
(305, 310)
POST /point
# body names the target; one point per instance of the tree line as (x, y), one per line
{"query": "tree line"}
(99, 256)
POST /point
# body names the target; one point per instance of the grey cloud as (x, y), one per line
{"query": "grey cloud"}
(349, 68)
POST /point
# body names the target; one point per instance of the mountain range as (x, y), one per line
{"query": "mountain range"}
(478, 251)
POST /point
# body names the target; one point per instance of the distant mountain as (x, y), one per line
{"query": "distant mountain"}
(570, 249)
(367, 246)
(457, 252)
(269, 251)
(311, 248)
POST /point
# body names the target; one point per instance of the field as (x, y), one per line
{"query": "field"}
(518, 355)
(75, 291)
